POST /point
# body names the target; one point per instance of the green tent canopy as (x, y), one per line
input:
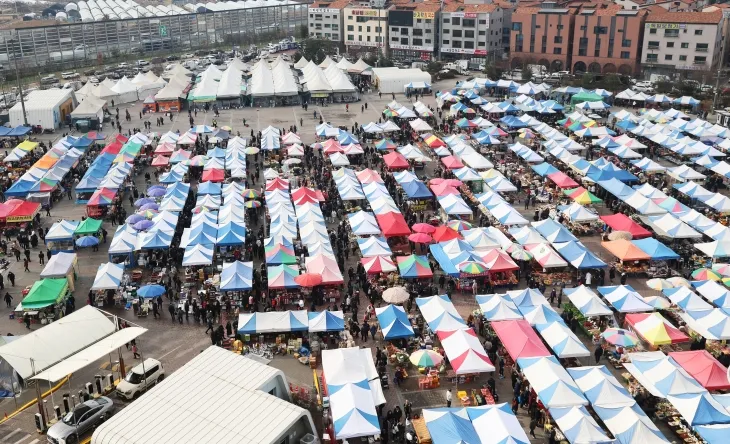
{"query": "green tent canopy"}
(88, 226)
(586, 96)
(44, 293)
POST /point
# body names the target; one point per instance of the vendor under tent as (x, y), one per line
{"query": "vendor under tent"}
(62, 265)
(707, 370)
(273, 322)
(46, 293)
(630, 425)
(88, 227)
(625, 250)
(553, 384)
(498, 307)
(108, 276)
(60, 236)
(394, 322)
(587, 301)
(326, 321)
(440, 313)
(465, 352)
(236, 276)
(654, 329)
(519, 339)
(625, 299)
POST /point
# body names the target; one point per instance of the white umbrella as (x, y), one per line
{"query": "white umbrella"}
(396, 295)
(292, 161)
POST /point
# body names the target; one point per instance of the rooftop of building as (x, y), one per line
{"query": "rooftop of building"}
(424, 6)
(336, 4)
(698, 18)
(21, 24)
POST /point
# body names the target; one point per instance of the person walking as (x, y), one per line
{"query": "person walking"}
(171, 310)
(41, 258)
(210, 322)
(501, 366)
(11, 278)
(598, 353)
(26, 262)
(135, 351)
(448, 398)
(8, 299)
(26, 319)
(533, 424)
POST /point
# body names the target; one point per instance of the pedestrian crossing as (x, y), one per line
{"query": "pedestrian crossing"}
(16, 436)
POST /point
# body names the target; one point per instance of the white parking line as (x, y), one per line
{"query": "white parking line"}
(35, 441)
(171, 351)
(22, 439)
(13, 433)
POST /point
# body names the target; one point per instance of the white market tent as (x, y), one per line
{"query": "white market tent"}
(108, 276)
(206, 89)
(126, 90)
(391, 80)
(315, 79)
(230, 83)
(284, 82)
(91, 108)
(59, 265)
(262, 80)
(209, 393)
(174, 88)
(551, 381)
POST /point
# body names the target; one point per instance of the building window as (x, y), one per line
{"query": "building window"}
(456, 33)
(336, 36)
(469, 22)
(670, 44)
(456, 21)
(652, 31)
(481, 44)
(393, 29)
(698, 32)
(427, 21)
(327, 25)
(359, 29)
(701, 47)
(600, 30)
(652, 57)
(469, 44)
(445, 42)
(625, 55)
(653, 45)
(583, 42)
(377, 39)
(367, 28)
(557, 50)
(447, 20)
(597, 52)
(418, 20)
(350, 28)
(583, 28)
(684, 45)
(667, 57)
(469, 34)
(517, 26)
(625, 43)
(418, 32)
(404, 40)
(559, 27)
(417, 42)
(394, 39)
(428, 41)
(672, 33)
(482, 22)
(683, 58)
(700, 60)
(447, 31)
(482, 32)
(404, 31)
(558, 39)
(350, 37)
(456, 44)
(582, 52)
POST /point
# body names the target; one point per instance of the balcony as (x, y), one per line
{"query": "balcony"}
(653, 46)
(701, 49)
(698, 63)
(671, 35)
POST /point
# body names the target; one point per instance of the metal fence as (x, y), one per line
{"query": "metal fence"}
(72, 45)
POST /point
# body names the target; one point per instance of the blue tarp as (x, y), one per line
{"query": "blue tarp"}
(82, 142)
(447, 425)
(578, 255)
(394, 322)
(604, 175)
(326, 321)
(209, 188)
(273, 322)
(512, 122)
(543, 169)
(236, 276)
(416, 190)
(232, 233)
(18, 131)
(657, 250)
(20, 188)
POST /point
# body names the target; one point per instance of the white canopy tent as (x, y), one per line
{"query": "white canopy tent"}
(391, 80)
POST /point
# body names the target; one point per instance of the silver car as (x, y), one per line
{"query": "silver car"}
(80, 420)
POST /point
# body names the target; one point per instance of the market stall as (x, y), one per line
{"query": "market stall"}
(62, 265)
(60, 236)
(46, 300)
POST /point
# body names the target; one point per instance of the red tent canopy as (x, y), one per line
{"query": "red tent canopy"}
(25, 212)
(498, 260)
(452, 162)
(562, 180)
(393, 224)
(704, 368)
(395, 161)
(443, 189)
(519, 339)
(306, 195)
(443, 233)
(214, 175)
(621, 222)
(165, 148)
(277, 184)
(112, 148)
(121, 138)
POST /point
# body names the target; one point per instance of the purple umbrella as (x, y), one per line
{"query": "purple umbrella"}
(142, 201)
(143, 225)
(156, 192)
(154, 187)
(149, 206)
(133, 219)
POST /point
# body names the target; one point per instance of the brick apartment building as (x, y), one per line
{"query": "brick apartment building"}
(542, 35)
(413, 30)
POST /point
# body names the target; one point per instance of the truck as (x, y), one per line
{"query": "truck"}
(460, 66)
(78, 53)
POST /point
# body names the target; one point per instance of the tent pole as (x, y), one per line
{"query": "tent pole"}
(122, 370)
(39, 396)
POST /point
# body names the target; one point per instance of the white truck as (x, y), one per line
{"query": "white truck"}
(460, 66)
(78, 53)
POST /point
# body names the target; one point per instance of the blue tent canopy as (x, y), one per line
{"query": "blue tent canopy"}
(416, 190)
(209, 188)
(20, 188)
(232, 233)
(326, 321)
(273, 322)
(657, 250)
(448, 425)
(18, 131)
(154, 240)
(394, 322)
(579, 256)
(236, 276)
(608, 174)
(543, 169)
(512, 122)
(82, 142)
(715, 433)
(554, 232)
(216, 152)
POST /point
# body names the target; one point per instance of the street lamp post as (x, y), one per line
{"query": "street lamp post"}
(20, 85)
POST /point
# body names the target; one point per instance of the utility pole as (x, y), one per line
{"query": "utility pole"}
(719, 72)
(20, 85)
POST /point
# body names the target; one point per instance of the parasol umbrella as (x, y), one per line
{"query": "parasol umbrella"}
(252, 204)
(659, 284)
(133, 219)
(226, 128)
(143, 201)
(705, 274)
(215, 139)
(251, 150)
(420, 238)
(292, 161)
(619, 235)
(87, 241)
(424, 228)
(248, 193)
(458, 225)
(157, 192)
(658, 302)
(521, 255)
(426, 358)
(143, 225)
(678, 281)
(723, 269)
(308, 279)
(156, 187)
(150, 206)
(396, 295)
(148, 214)
(151, 291)
(472, 267)
(620, 337)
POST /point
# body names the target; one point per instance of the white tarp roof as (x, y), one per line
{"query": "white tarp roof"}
(230, 84)
(90, 354)
(262, 79)
(206, 88)
(59, 265)
(338, 80)
(56, 341)
(315, 79)
(91, 107)
(284, 82)
(173, 89)
(203, 402)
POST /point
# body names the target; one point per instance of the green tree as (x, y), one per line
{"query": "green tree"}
(612, 82)
(527, 74)
(302, 31)
(587, 80)
(433, 67)
(663, 87)
(317, 49)
(492, 71)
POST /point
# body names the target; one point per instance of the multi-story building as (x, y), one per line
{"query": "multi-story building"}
(607, 39)
(689, 41)
(471, 30)
(542, 35)
(413, 30)
(365, 29)
(326, 20)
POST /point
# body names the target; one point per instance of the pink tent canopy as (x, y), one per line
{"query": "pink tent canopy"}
(465, 352)
(519, 339)
(368, 176)
(326, 267)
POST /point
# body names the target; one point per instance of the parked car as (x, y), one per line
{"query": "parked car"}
(142, 63)
(643, 86)
(140, 378)
(124, 65)
(80, 420)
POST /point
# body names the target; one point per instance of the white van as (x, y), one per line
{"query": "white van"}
(140, 378)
